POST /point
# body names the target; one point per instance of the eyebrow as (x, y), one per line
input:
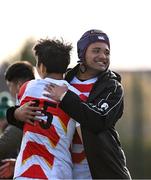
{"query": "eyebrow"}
(101, 48)
(96, 48)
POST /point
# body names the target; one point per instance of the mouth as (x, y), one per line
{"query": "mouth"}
(100, 63)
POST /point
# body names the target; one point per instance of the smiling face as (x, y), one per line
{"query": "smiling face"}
(97, 57)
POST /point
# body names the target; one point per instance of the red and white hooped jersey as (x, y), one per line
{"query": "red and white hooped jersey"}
(44, 152)
(80, 164)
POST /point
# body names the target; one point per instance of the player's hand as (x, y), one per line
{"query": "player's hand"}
(27, 112)
(7, 168)
(55, 92)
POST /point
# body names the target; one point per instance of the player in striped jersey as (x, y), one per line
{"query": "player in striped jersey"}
(80, 164)
(45, 146)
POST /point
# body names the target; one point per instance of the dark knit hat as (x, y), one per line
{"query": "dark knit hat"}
(88, 38)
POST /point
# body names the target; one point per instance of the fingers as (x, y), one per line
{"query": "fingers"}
(29, 105)
(29, 121)
(4, 166)
(38, 119)
(32, 114)
(48, 88)
(4, 170)
(3, 173)
(51, 86)
(47, 95)
(33, 108)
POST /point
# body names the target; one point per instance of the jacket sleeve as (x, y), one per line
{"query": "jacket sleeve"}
(10, 141)
(99, 114)
(11, 119)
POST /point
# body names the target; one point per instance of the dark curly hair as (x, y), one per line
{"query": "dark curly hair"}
(20, 70)
(54, 54)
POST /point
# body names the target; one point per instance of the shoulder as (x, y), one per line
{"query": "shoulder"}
(109, 81)
(110, 77)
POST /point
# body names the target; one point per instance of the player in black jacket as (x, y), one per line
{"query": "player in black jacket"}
(97, 118)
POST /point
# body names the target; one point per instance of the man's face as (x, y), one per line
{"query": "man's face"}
(97, 57)
(13, 88)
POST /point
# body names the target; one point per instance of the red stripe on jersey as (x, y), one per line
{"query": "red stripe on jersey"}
(83, 97)
(50, 133)
(22, 89)
(33, 148)
(34, 171)
(83, 87)
(77, 150)
(64, 119)
(78, 157)
(76, 138)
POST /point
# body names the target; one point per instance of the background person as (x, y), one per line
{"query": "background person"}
(10, 140)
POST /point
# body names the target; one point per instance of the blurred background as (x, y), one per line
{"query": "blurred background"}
(126, 22)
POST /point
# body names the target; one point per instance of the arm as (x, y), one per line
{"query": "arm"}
(11, 117)
(7, 168)
(99, 114)
(10, 141)
(18, 115)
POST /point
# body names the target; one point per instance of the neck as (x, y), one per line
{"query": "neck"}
(58, 76)
(86, 75)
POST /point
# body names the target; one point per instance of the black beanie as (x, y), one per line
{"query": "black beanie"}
(88, 38)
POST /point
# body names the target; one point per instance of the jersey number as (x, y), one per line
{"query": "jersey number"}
(45, 124)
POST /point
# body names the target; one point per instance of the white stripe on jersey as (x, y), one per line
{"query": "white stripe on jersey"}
(81, 170)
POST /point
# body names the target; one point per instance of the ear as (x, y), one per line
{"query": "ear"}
(43, 68)
(19, 84)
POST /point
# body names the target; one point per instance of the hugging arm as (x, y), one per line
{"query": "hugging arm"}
(99, 114)
(17, 116)
(7, 168)
(11, 117)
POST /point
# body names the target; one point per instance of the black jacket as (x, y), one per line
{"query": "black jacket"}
(10, 141)
(97, 118)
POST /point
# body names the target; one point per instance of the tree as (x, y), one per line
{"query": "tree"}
(26, 52)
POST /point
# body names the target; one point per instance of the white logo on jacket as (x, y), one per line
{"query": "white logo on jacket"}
(104, 106)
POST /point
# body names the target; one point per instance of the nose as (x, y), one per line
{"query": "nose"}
(102, 55)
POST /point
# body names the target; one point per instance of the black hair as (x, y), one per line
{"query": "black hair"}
(54, 54)
(19, 71)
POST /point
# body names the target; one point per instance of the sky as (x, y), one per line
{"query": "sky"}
(127, 23)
